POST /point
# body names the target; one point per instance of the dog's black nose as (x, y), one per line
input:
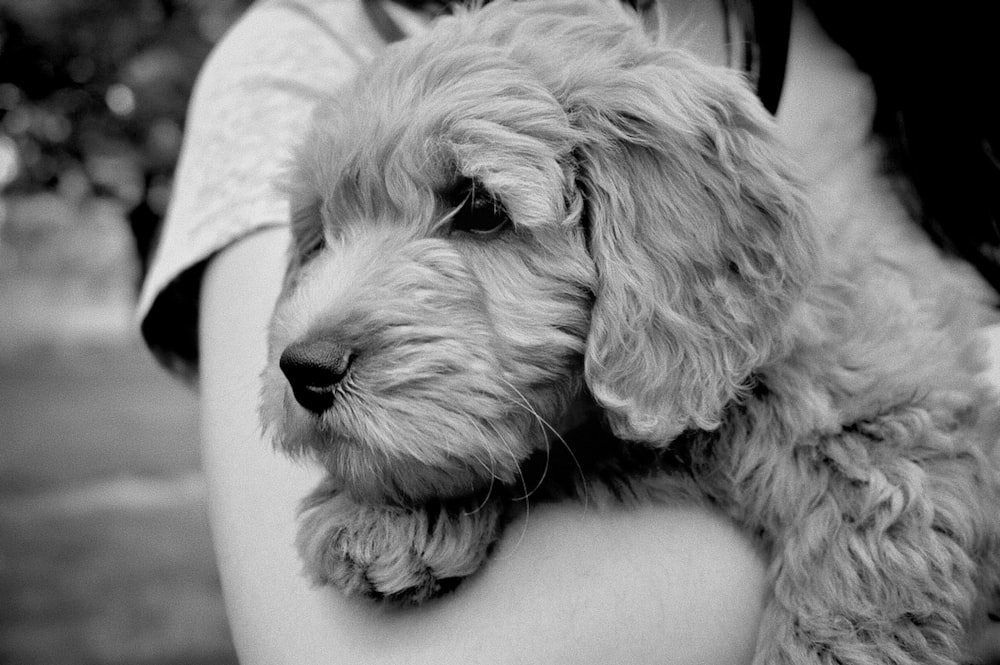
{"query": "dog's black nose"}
(313, 369)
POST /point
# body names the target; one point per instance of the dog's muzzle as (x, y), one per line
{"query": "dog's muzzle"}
(314, 368)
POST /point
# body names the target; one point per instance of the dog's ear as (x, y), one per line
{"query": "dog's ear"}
(699, 235)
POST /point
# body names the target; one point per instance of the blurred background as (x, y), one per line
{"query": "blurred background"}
(105, 553)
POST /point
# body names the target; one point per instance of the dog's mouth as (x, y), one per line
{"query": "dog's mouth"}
(405, 446)
(385, 465)
(371, 474)
(415, 381)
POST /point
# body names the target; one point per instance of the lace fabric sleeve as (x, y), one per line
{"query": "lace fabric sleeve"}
(253, 99)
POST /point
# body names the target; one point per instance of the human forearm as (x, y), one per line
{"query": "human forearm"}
(571, 584)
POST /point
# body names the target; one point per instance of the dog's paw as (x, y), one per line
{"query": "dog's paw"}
(404, 555)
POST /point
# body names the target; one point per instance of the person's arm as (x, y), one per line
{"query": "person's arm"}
(657, 585)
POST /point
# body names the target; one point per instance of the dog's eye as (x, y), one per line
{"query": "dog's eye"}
(309, 251)
(307, 232)
(477, 211)
(308, 244)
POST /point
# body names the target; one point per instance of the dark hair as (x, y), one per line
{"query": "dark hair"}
(935, 73)
(766, 25)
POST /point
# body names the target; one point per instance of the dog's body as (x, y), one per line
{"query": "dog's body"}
(533, 221)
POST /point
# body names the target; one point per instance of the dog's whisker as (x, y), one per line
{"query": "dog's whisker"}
(521, 535)
(546, 425)
(523, 402)
(520, 473)
(526, 494)
(493, 465)
(489, 490)
(545, 469)
(489, 468)
(486, 499)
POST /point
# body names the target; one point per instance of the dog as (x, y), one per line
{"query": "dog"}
(535, 249)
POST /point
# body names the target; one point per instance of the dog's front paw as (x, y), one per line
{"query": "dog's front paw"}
(405, 555)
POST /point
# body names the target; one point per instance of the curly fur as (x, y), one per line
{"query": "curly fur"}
(811, 362)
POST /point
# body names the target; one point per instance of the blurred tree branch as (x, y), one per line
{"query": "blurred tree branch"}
(93, 94)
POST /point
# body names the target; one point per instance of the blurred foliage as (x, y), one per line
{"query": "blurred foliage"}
(93, 95)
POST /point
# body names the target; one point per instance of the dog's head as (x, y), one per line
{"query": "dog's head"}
(530, 201)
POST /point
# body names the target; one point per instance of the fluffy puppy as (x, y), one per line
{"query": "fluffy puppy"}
(533, 246)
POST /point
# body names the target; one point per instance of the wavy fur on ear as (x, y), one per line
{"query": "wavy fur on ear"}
(698, 230)
(652, 243)
(700, 236)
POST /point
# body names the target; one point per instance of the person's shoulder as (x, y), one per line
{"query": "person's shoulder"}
(309, 41)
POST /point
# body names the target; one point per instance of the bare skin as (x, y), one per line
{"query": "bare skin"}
(665, 584)
(569, 584)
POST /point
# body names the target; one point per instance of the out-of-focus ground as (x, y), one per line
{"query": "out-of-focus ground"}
(105, 551)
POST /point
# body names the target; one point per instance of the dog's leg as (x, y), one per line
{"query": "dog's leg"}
(401, 554)
(881, 535)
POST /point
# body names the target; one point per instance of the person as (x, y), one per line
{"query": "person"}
(663, 584)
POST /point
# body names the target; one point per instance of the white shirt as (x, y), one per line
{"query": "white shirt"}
(250, 106)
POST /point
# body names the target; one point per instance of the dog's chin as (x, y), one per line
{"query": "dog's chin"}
(424, 455)
(370, 476)
(395, 472)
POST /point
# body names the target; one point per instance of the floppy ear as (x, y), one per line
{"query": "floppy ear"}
(700, 239)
